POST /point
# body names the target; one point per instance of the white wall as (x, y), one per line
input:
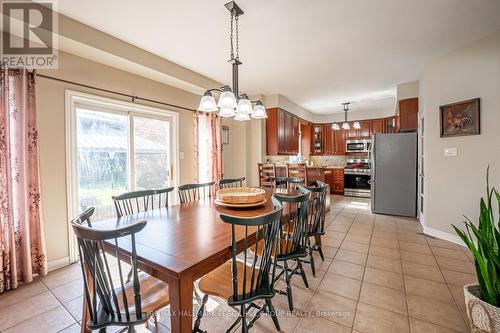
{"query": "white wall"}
(455, 184)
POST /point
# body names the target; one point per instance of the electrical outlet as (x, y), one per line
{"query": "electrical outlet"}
(450, 152)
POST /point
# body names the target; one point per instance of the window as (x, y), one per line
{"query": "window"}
(116, 147)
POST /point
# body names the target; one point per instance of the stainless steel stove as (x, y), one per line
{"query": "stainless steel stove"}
(357, 176)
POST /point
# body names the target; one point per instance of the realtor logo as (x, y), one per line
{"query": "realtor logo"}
(29, 34)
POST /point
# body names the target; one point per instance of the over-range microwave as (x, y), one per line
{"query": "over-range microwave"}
(356, 146)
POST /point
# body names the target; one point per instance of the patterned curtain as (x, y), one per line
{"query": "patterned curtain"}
(207, 147)
(22, 245)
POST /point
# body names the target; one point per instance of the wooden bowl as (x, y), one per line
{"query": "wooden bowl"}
(241, 195)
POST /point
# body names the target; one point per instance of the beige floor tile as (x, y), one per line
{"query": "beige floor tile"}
(21, 293)
(385, 252)
(422, 271)
(358, 238)
(412, 238)
(384, 278)
(449, 253)
(75, 307)
(371, 319)
(458, 278)
(347, 269)
(53, 320)
(384, 264)
(427, 288)
(300, 294)
(75, 328)
(458, 296)
(341, 285)
(333, 307)
(352, 257)
(383, 242)
(63, 276)
(382, 297)
(435, 242)
(385, 235)
(320, 325)
(286, 319)
(418, 258)
(464, 266)
(69, 291)
(444, 314)
(419, 326)
(416, 248)
(21, 311)
(328, 251)
(355, 246)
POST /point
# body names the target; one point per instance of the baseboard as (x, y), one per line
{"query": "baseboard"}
(58, 263)
(443, 235)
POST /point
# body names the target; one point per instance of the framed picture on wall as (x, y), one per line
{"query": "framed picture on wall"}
(225, 135)
(461, 118)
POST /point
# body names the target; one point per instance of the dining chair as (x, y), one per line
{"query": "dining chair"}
(289, 183)
(316, 220)
(133, 202)
(298, 170)
(243, 283)
(228, 182)
(130, 303)
(266, 171)
(193, 192)
(293, 239)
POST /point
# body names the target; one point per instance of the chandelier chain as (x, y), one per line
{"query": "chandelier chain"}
(231, 37)
(237, 38)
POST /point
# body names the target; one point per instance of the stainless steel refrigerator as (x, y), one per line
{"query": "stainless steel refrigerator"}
(394, 174)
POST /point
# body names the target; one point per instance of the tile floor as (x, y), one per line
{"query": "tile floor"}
(380, 275)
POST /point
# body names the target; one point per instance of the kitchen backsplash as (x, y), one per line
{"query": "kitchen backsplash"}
(312, 160)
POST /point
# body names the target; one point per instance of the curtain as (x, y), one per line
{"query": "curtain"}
(208, 147)
(22, 245)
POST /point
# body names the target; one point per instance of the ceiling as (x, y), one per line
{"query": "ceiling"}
(317, 53)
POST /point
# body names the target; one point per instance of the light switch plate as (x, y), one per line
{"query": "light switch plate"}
(181, 155)
(450, 152)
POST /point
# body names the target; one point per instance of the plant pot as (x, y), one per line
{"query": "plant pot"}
(483, 317)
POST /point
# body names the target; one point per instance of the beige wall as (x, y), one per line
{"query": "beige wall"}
(455, 184)
(51, 122)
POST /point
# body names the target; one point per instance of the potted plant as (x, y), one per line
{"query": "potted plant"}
(483, 299)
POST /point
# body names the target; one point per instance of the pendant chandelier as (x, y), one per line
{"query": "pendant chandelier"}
(345, 124)
(231, 104)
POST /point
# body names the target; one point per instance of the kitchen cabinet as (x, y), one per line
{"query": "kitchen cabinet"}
(377, 126)
(391, 125)
(315, 174)
(351, 134)
(339, 142)
(317, 139)
(408, 115)
(328, 144)
(282, 133)
(305, 138)
(337, 184)
(365, 132)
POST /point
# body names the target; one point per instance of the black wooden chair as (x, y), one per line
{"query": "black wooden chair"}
(130, 303)
(293, 239)
(139, 201)
(243, 283)
(316, 220)
(193, 192)
(289, 183)
(228, 182)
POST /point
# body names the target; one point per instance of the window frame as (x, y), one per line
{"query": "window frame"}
(110, 105)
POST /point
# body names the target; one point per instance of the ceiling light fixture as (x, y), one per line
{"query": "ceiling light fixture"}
(335, 127)
(346, 125)
(229, 105)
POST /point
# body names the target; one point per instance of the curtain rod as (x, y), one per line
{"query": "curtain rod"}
(134, 98)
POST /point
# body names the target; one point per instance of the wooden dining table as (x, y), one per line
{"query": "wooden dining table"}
(180, 244)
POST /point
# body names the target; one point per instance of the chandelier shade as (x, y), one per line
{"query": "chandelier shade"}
(346, 126)
(335, 127)
(241, 116)
(244, 105)
(226, 112)
(227, 99)
(207, 103)
(259, 111)
(356, 125)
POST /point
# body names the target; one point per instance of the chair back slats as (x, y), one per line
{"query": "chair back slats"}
(231, 182)
(266, 171)
(298, 170)
(317, 209)
(194, 192)
(290, 183)
(106, 308)
(140, 201)
(293, 231)
(253, 279)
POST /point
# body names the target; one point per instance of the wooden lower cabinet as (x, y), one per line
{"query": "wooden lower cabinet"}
(337, 184)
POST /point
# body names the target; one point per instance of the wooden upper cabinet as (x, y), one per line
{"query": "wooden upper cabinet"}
(408, 115)
(317, 139)
(339, 142)
(282, 132)
(328, 145)
(351, 134)
(378, 126)
(294, 145)
(305, 138)
(365, 132)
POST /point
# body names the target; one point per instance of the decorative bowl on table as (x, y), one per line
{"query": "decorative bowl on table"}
(240, 197)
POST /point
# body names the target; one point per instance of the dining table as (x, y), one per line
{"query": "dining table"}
(180, 244)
